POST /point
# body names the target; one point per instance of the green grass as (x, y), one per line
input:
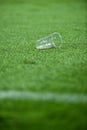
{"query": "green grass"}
(22, 67)
(42, 115)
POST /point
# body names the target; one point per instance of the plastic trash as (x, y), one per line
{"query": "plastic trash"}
(53, 40)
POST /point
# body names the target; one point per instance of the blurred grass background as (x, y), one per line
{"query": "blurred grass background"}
(22, 67)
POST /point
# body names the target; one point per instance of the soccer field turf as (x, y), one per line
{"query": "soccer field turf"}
(53, 71)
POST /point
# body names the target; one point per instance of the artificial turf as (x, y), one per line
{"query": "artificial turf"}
(24, 68)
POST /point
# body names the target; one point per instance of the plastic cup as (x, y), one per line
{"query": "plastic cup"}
(53, 40)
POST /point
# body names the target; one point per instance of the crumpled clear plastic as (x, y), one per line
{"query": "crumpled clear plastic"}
(53, 40)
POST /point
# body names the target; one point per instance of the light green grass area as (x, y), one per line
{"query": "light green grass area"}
(22, 67)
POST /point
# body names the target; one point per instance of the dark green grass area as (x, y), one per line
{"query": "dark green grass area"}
(31, 115)
(22, 67)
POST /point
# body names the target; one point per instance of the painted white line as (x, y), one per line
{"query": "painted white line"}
(40, 96)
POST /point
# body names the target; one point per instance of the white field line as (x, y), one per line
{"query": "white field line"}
(39, 96)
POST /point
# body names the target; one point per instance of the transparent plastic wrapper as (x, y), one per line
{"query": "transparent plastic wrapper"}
(53, 40)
